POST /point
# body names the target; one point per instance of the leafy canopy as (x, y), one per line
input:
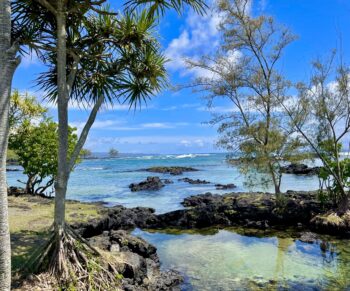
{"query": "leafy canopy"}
(36, 147)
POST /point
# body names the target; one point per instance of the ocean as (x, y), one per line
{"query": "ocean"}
(108, 180)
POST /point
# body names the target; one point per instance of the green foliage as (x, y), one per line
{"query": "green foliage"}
(24, 108)
(11, 155)
(36, 148)
(113, 153)
(85, 153)
(321, 115)
(333, 187)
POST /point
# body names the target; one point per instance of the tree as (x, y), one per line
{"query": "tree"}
(109, 58)
(8, 65)
(245, 72)
(24, 108)
(113, 153)
(85, 153)
(321, 115)
(36, 148)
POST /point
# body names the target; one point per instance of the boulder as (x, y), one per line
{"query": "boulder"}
(151, 183)
(300, 169)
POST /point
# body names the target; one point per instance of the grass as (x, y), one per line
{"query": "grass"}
(30, 219)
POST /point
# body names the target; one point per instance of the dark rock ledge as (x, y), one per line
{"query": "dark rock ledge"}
(253, 210)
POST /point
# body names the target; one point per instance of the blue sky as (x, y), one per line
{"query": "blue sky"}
(175, 121)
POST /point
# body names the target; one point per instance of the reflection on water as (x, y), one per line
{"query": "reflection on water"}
(227, 260)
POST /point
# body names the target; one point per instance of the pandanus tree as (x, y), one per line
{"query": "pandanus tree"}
(93, 57)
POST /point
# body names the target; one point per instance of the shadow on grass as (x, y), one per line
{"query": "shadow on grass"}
(24, 244)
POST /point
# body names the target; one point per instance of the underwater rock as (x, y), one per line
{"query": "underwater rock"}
(192, 181)
(151, 183)
(300, 169)
(171, 170)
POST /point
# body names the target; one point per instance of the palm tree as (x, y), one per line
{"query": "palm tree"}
(100, 58)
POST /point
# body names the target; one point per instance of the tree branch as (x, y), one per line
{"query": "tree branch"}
(85, 132)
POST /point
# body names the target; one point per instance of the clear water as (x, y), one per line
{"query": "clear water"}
(227, 260)
(214, 260)
(107, 180)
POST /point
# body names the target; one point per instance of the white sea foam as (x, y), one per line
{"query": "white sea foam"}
(91, 168)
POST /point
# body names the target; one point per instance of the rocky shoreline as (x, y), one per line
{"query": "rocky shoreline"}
(302, 210)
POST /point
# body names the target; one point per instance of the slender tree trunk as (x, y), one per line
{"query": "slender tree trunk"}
(62, 101)
(8, 65)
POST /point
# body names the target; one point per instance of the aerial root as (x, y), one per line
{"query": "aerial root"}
(71, 259)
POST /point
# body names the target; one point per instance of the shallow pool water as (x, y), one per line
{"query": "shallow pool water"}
(231, 260)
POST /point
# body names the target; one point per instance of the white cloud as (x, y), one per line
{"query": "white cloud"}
(163, 124)
(200, 36)
(217, 109)
(182, 106)
(118, 125)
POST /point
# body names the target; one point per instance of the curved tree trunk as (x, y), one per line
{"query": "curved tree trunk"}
(8, 65)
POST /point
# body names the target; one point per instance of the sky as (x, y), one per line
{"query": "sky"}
(176, 121)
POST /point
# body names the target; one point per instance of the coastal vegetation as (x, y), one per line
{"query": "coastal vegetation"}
(36, 149)
(113, 153)
(246, 72)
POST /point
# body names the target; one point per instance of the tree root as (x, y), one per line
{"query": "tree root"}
(73, 262)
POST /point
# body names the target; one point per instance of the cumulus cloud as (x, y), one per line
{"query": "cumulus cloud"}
(199, 36)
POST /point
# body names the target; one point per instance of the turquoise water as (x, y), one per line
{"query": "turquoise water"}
(107, 180)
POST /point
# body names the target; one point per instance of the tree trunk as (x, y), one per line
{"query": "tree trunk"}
(8, 65)
(62, 101)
